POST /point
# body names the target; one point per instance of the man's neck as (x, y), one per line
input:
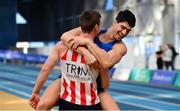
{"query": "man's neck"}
(108, 36)
(87, 35)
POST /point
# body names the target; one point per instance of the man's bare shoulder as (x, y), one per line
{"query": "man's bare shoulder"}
(120, 47)
(60, 46)
(120, 44)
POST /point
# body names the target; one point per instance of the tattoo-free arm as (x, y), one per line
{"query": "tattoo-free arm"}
(68, 40)
(110, 58)
(105, 79)
(69, 36)
(46, 70)
(106, 59)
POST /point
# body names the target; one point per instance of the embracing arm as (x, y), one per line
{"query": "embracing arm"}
(68, 40)
(110, 58)
(69, 36)
(46, 70)
(106, 59)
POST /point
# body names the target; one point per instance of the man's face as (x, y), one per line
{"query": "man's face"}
(121, 30)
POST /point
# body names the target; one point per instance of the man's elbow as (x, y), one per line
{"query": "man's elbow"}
(106, 64)
(44, 69)
(63, 36)
(66, 38)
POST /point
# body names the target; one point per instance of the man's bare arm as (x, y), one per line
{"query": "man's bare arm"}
(105, 79)
(110, 58)
(105, 59)
(68, 40)
(69, 35)
(46, 70)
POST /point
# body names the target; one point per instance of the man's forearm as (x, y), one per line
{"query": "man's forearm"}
(67, 41)
(40, 80)
(104, 77)
(69, 35)
(100, 54)
(82, 50)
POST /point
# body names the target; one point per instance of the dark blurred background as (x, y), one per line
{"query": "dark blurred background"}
(34, 26)
(46, 19)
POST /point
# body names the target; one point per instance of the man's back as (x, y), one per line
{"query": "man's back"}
(78, 80)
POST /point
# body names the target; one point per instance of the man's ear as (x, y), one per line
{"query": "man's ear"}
(97, 27)
(115, 22)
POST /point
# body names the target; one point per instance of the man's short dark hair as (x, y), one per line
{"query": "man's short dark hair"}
(88, 19)
(126, 16)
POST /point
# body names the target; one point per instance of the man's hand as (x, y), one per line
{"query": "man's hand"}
(91, 60)
(33, 100)
(79, 41)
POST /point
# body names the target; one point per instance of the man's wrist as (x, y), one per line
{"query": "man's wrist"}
(35, 92)
(85, 51)
(89, 42)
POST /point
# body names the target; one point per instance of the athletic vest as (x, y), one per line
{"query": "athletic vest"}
(78, 82)
(106, 46)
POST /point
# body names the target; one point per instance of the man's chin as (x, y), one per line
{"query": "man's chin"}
(118, 38)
